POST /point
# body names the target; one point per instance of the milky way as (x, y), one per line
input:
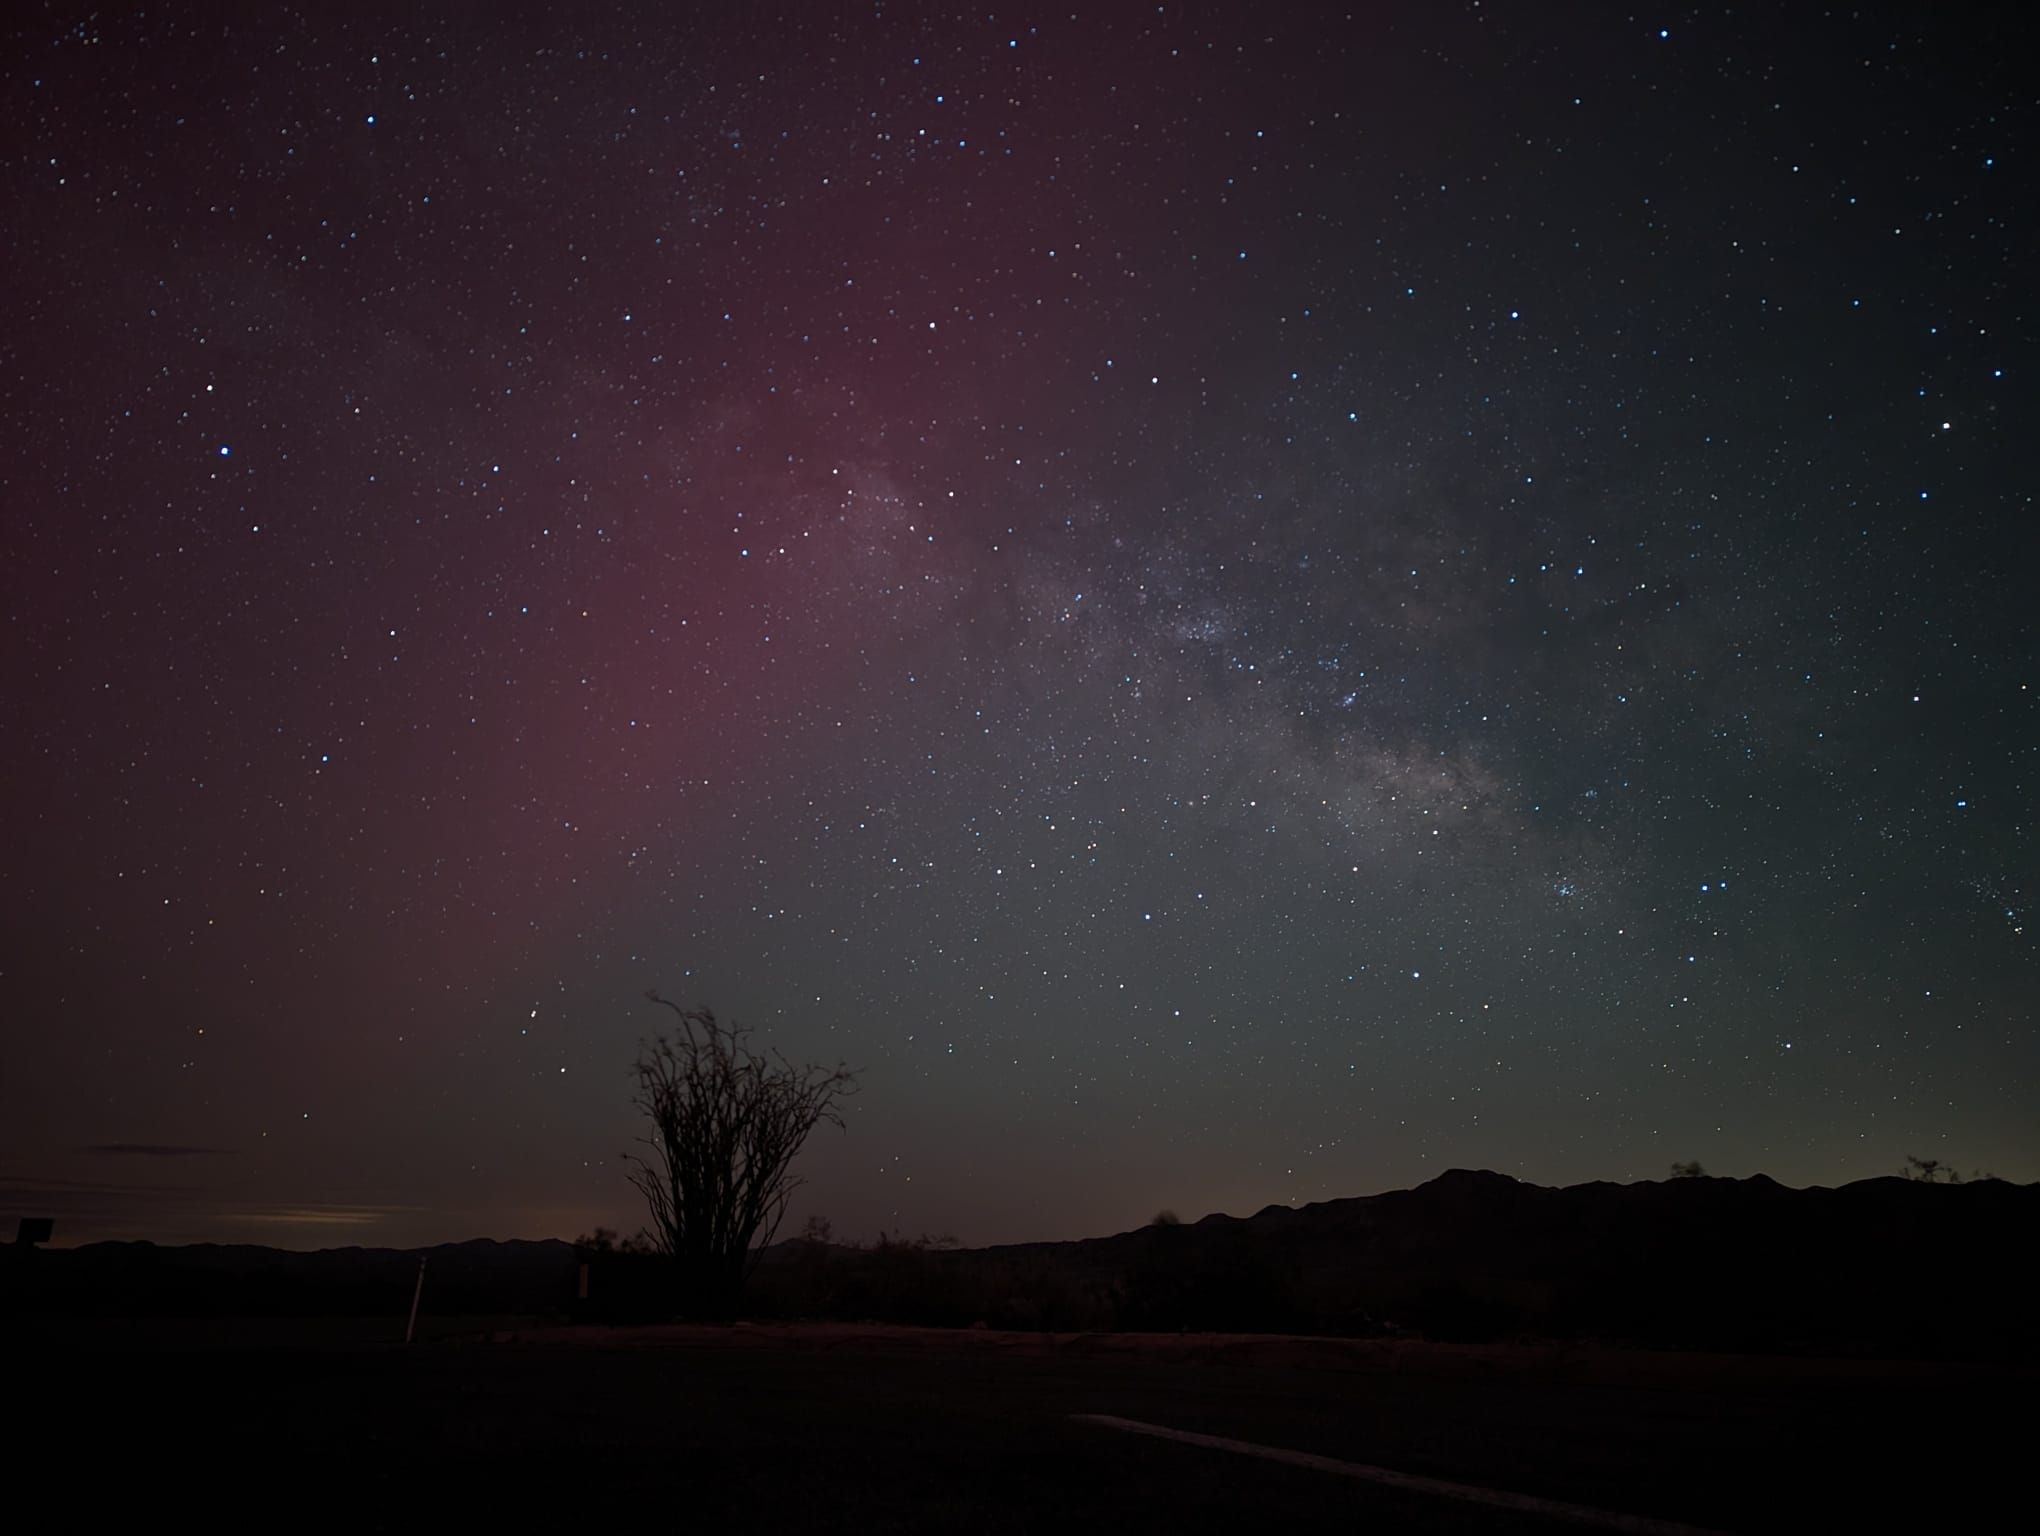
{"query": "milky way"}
(1237, 607)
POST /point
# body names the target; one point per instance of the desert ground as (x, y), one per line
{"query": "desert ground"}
(842, 1428)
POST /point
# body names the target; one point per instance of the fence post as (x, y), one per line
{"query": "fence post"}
(416, 1291)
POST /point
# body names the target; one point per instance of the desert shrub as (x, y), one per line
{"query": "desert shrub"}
(626, 1284)
(726, 1123)
(1457, 1313)
(1215, 1282)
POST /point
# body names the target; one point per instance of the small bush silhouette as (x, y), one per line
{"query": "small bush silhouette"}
(1931, 1170)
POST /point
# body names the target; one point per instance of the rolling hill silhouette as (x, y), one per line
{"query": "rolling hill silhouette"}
(1878, 1266)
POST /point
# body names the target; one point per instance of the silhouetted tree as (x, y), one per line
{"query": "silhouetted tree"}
(1165, 1218)
(1931, 1170)
(726, 1125)
(1691, 1170)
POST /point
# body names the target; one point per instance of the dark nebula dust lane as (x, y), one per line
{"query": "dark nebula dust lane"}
(1239, 607)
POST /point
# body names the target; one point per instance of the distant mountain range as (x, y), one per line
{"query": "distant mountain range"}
(1883, 1265)
(1742, 1263)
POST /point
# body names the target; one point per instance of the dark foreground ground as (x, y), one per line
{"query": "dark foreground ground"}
(832, 1428)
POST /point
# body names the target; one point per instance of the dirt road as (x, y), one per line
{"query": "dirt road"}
(849, 1429)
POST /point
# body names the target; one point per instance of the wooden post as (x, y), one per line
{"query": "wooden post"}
(416, 1291)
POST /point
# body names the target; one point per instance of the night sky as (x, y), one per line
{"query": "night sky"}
(1240, 604)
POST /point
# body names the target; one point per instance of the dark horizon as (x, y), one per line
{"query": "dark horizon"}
(55, 1199)
(1237, 608)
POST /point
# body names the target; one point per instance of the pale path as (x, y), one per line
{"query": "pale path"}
(1523, 1503)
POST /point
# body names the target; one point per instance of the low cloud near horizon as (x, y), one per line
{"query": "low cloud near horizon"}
(92, 1210)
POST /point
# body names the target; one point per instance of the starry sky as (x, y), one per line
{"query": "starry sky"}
(1239, 604)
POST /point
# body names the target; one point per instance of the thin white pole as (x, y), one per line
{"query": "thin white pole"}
(416, 1291)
